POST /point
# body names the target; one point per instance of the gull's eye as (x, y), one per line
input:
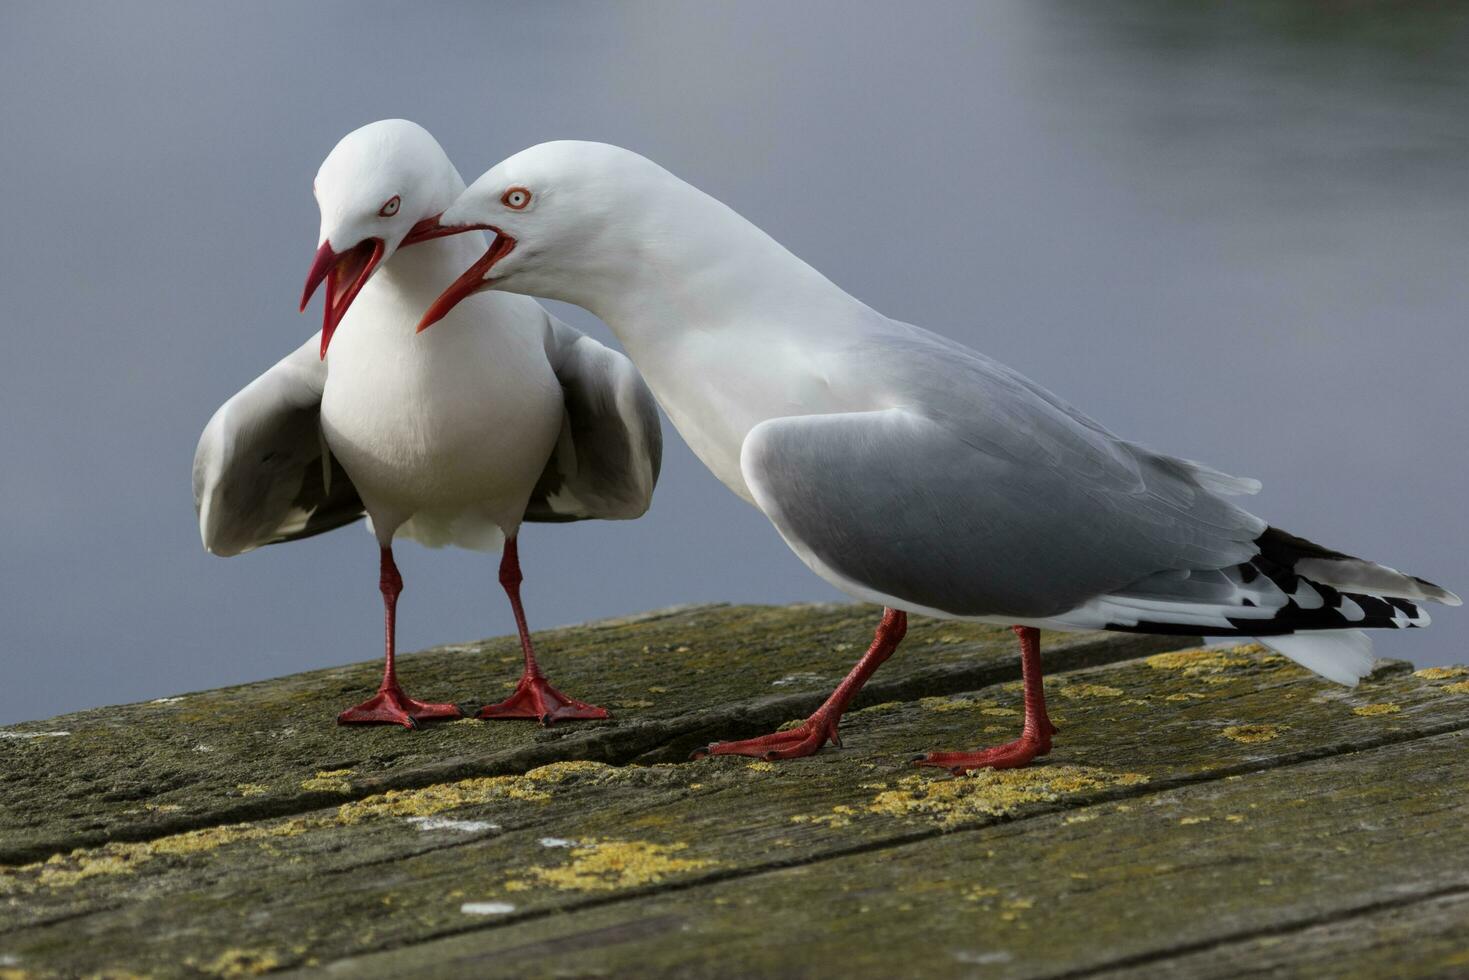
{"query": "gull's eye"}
(390, 207)
(516, 198)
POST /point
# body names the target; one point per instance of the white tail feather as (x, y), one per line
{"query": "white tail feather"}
(1344, 656)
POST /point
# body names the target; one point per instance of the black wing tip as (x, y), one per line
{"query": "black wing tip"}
(1284, 548)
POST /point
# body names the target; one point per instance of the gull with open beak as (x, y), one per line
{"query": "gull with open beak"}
(503, 415)
(902, 467)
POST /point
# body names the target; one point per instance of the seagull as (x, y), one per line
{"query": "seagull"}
(900, 466)
(503, 415)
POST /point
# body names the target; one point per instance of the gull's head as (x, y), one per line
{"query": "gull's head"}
(378, 190)
(564, 217)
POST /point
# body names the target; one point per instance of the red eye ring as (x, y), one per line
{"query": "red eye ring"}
(516, 198)
(390, 207)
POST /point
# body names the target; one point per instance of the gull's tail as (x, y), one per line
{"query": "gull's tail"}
(1344, 656)
(1306, 601)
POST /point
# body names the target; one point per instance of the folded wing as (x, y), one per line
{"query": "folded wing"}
(262, 472)
(910, 508)
(606, 461)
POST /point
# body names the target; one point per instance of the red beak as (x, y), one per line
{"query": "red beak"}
(430, 228)
(473, 280)
(345, 275)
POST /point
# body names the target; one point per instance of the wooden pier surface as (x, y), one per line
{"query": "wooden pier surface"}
(1206, 813)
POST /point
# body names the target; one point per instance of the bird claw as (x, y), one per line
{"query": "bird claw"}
(535, 698)
(1011, 755)
(805, 740)
(391, 706)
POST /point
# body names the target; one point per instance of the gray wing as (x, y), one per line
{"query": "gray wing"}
(262, 472)
(996, 502)
(610, 450)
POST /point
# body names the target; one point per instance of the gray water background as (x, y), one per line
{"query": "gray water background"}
(1237, 232)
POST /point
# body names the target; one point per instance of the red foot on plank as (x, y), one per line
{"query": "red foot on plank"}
(803, 741)
(535, 698)
(392, 707)
(1011, 755)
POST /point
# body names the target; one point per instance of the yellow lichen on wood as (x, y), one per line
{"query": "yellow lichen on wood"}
(1250, 734)
(234, 963)
(1208, 661)
(609, 865)
(61, 871)
(991, 793)
(952, 704)
(1462, 687)
(329, 781)
(840, 816)
(65, 870)
(880, 709)
(1011, 908)
(560, 772)
(429, 800)
(1371, 710)
(1441, 673)
(213, 838)
(438, 798)
(1074, 690)
(251, 789)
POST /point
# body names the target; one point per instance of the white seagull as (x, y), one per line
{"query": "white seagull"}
(505, 414)
(900, 466)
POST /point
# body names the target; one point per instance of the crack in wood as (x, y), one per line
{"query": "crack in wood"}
(1265, 932)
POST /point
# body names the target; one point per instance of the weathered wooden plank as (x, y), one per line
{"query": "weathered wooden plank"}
(1061, 895)
(1404, 938)
(673, 679)
(381, 873)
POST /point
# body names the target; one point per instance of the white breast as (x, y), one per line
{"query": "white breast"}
(447, 430)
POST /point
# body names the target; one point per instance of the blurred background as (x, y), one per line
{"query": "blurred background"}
(1236, 232)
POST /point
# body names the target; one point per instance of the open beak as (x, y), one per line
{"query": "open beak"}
(430, 228)
(345, 274)
(475, 277)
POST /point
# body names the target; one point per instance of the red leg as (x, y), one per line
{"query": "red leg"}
(811, 736)
(533, 697)
(1035, 736)
(390, 706)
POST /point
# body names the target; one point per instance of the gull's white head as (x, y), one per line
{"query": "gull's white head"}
(377, 190)
(564, 214)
